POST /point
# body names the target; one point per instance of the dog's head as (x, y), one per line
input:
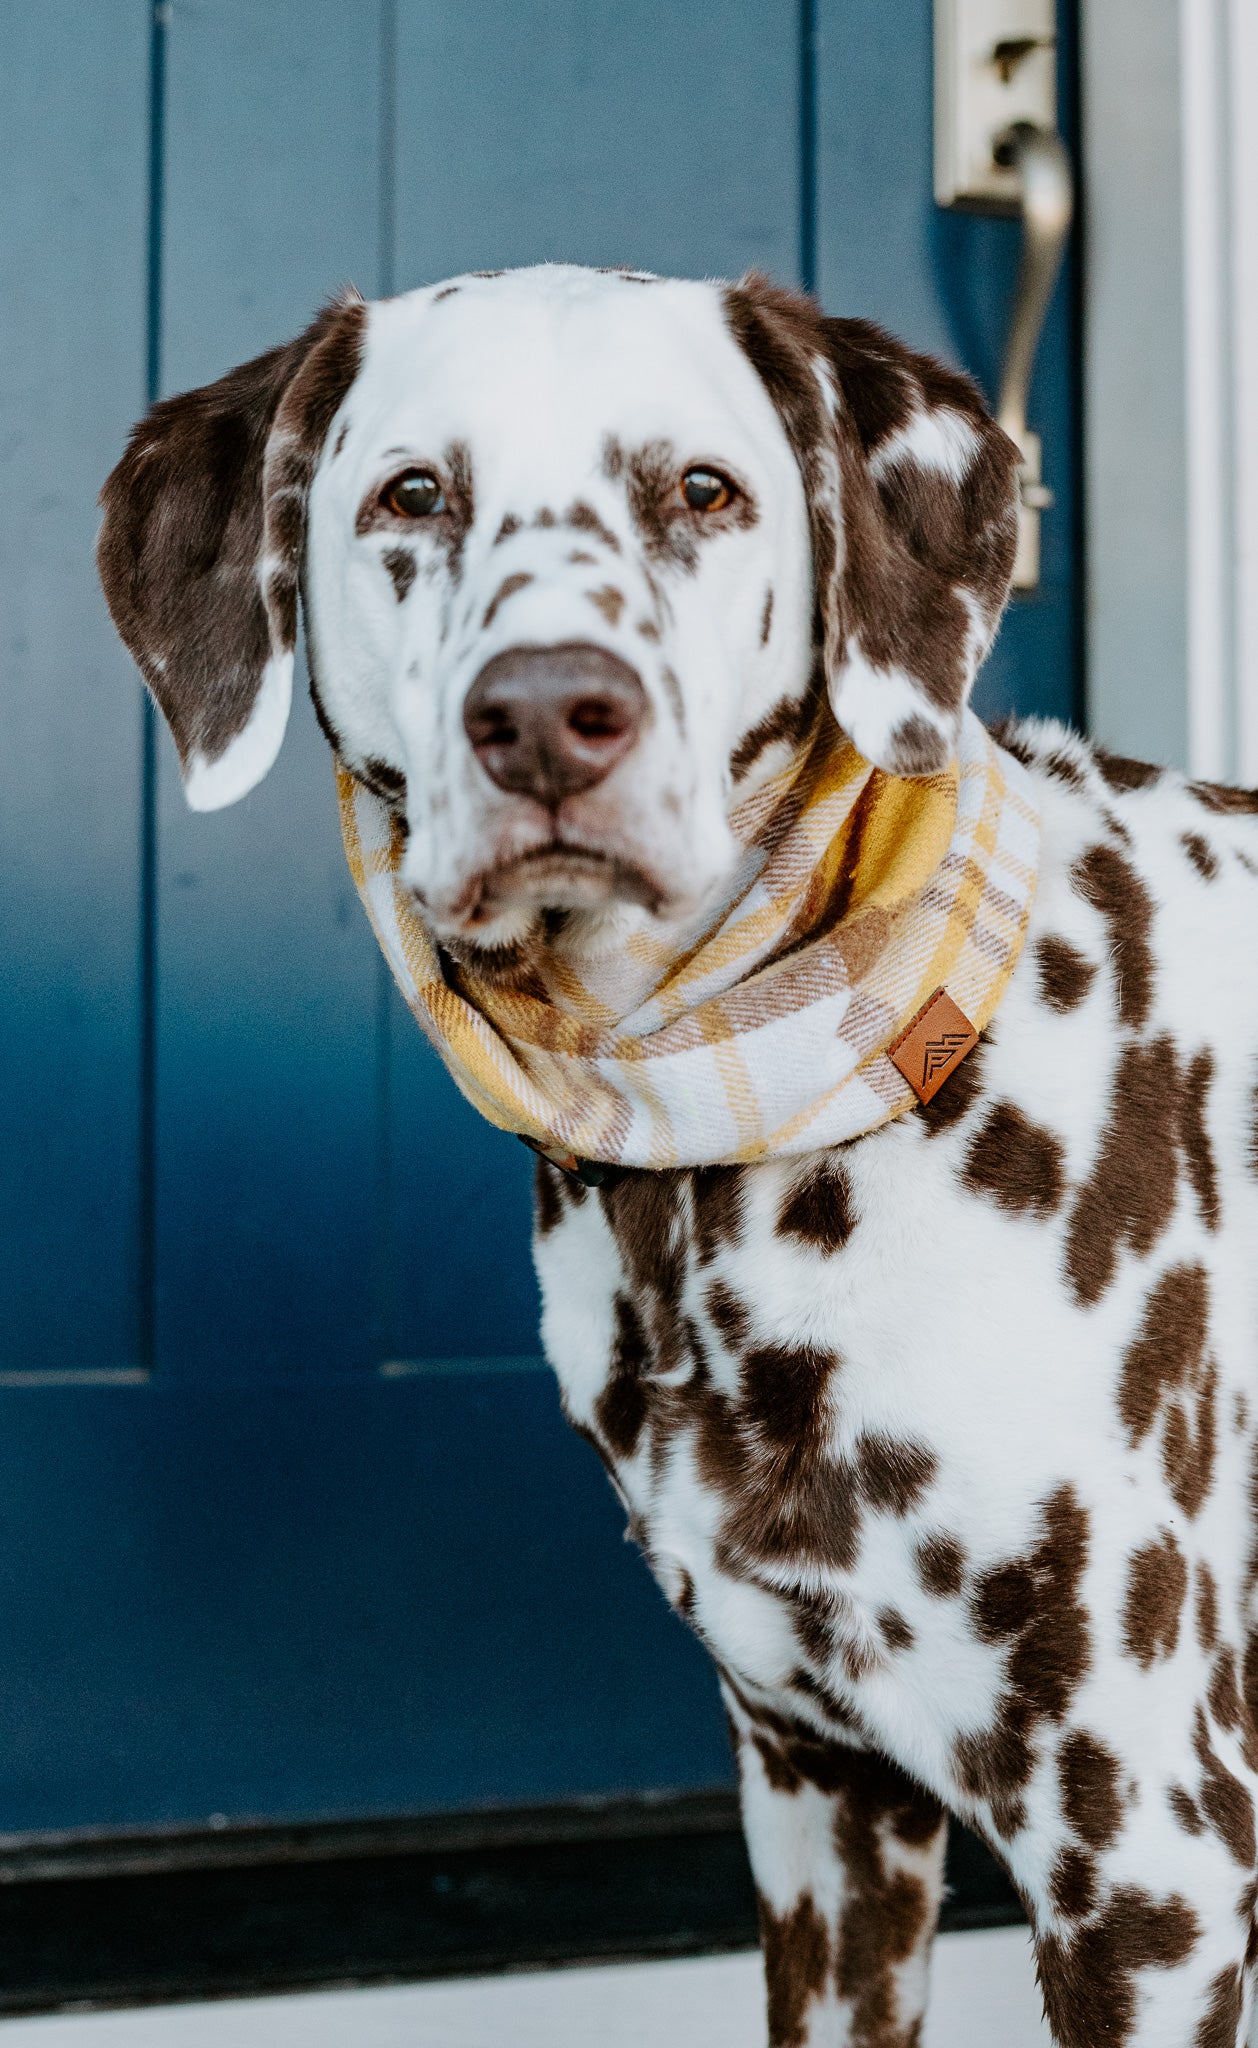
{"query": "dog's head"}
(583, 556)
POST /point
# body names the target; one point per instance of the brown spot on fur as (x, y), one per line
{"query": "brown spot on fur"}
(648, 629)
(1167, 1356)
(510, 524)
(1224, 1801)
(914, 747)
(1089, 1982)
(716, 1194)
(1018, 1164)
(1222, 2017)
(1062, 766)
(887, 1914)
(1032, 1603)
(609, 603)
(1188, 1449)
(1217, 796)
(959, 1093)
(728, 1315)
(796, 1948)
(1089, 1789)
(1201, 854)
(340, 439)
(788, 1497)
(1167, 1350)
(766, 618)
(1157, 1585)
(388, 783)
(403, 568)
(1123, 774)
(1224, 1694)
(507, 588)
(586, 520)
(1185, 1809)
(818, 1208)
(895, 1629)
(672, 690)
(784, 1396)
(892, 1475)
(1066, 974)
(548, 1208)
(581, 558)
(620, 1410)
(1073, 1884)
(1106, 880)
(1207, 1607)
(941, 1566)
(1195, 1137)
(447, 292)
(1128, 1197)
(788, 723)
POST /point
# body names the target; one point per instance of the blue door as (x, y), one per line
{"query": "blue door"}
(289, 1522)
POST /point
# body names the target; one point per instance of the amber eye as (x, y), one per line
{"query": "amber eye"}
(706, 490)
(416, 495)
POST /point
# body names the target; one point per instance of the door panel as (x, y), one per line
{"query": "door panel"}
(574, 131)
(267, 1160)
(73, 165)
(339, 1554)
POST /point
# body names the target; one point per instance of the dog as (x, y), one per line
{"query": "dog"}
(943, 1440)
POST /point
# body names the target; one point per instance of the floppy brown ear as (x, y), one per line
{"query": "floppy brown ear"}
(912, 501)
(200, 550)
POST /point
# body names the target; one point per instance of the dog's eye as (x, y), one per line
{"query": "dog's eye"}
(706, 490)
(416, 495)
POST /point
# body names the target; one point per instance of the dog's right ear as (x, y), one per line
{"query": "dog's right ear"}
(200, 550)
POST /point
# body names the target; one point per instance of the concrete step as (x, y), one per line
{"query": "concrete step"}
(984, 1997)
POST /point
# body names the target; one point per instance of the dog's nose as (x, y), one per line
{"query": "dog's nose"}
(548, 722)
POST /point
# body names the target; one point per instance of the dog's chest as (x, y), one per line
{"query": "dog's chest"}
(840, 1394)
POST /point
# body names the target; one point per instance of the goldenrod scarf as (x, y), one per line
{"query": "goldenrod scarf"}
(765, 1031)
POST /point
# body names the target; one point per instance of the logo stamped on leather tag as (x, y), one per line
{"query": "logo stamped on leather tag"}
(932, 1045)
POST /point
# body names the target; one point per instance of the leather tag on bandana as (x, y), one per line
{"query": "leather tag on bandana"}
(933, 1045)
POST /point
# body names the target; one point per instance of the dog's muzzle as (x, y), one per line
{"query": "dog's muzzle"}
(551, 722)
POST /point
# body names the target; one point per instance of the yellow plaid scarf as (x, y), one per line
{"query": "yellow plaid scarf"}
(765, 1031)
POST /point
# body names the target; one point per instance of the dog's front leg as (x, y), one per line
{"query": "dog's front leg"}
(847, 1854)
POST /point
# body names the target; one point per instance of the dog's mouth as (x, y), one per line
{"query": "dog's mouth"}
(554, 879)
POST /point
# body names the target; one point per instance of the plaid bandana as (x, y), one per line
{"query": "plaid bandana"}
(765, 1030)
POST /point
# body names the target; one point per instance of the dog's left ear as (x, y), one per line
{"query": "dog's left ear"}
(912, 501)
(201, 547)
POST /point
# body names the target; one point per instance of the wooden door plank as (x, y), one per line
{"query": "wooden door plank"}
(268, 978)
(350, 1598)
(73, 170)
(661, 134)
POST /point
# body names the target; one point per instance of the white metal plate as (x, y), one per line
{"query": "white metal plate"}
(976, 98)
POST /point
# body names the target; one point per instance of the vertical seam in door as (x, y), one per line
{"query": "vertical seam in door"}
(146, 1201)
(385, 1319)
(808, 144)
(387, 220)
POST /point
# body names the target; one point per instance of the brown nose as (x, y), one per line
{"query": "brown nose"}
(548, 722)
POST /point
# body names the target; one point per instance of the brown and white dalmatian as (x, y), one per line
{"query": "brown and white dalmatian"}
(944, 1440)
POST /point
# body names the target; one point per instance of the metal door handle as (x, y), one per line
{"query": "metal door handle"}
(1046, 205)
